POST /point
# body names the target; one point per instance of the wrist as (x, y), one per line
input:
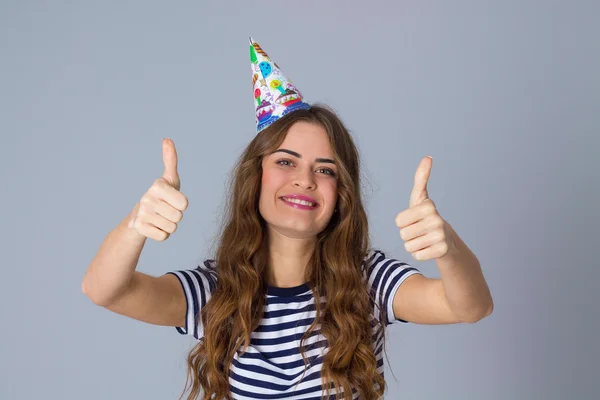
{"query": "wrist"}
(130, 233)
(453, 243)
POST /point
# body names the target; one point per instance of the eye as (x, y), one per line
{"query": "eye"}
(327, 171)
(283, 162)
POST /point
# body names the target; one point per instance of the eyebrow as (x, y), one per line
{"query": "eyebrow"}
(321, 160)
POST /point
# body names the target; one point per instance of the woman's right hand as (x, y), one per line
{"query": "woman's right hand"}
(161, 207)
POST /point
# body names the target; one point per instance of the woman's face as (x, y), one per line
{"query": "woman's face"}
(299, 183)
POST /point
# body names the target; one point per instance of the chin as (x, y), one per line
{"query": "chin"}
(294, 228)
(295, 231)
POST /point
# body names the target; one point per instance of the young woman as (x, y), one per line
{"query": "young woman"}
(295, 302)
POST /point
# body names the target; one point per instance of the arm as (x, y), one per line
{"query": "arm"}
(465, 288)
(461, 295)
(112, 282)
(155, 300)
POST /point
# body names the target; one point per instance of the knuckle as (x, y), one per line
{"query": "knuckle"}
(145, 201)
(178, 216)
(440, 236)
(142, 212)
(181, 202)
(433, 221)
(160, 235)
(169, 227)
(431, 208)
(157, 186)
(397, 220)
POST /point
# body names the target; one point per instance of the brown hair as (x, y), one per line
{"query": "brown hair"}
(335, 271)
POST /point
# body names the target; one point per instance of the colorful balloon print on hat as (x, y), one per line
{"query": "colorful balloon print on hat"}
(274, 94)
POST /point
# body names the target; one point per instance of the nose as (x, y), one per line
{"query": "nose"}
(305, 180)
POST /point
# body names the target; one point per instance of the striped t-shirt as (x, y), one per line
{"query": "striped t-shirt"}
(272, 365)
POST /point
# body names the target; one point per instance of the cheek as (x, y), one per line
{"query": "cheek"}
(330, 193)
(271, 181)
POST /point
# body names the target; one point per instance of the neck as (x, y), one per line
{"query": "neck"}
(288, 259)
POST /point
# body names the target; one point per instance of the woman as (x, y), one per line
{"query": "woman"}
(295, 230)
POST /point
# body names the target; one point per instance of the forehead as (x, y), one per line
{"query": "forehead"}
(308, 139)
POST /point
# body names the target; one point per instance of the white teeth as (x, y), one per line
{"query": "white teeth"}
(302, 202)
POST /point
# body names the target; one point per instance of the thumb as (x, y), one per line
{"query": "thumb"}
(419, 192)
(170, 173)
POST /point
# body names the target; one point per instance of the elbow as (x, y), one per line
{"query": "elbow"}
(88, 293)
(479, 314)
(490, 309)
(95, 297)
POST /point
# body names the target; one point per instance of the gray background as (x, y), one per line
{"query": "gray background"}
(503, 95)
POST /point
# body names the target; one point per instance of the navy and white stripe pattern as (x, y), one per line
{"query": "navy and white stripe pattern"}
(272, 367)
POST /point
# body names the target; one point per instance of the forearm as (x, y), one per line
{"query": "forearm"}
(112, 268)
(465, 287)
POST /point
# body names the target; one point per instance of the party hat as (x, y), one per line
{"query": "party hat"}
(274, 94)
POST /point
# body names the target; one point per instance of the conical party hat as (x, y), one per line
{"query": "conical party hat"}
(274, 94)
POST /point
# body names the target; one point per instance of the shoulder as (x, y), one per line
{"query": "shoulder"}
(209, 265)
(373, 254)
(375, 257)
(209, 268)
(384, 275)
(381, 270)
(203, 277)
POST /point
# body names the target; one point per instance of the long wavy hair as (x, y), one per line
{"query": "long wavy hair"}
(335, 271)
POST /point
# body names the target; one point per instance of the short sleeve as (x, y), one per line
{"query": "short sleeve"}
(384, 276)
(197, 285)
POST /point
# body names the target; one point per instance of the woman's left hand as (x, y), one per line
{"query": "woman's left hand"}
(425, 233)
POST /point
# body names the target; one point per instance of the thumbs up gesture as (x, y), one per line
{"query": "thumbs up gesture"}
(161, 207)
(425, 233)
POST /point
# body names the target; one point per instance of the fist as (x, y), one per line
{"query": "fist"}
(425, 233)
(161, 207)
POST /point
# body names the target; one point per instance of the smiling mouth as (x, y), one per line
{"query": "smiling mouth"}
(299, 202)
